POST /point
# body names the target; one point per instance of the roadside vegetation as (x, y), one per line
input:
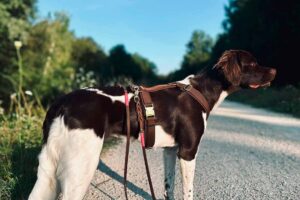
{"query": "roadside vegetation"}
(283, 99)
(20, 144)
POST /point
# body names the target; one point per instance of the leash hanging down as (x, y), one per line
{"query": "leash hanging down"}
(127, 140)
(141, 125)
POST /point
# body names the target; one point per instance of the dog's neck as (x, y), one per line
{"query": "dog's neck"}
(213, 86)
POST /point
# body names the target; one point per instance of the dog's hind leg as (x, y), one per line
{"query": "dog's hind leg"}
(169, 155)
(46, 187)
(78, 162)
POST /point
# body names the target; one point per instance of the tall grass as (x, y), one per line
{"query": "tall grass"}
(20, 143)
(20, 139)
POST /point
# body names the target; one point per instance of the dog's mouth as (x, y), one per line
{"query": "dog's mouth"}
(255, 86)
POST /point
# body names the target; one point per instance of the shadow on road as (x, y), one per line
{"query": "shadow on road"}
(114, 175)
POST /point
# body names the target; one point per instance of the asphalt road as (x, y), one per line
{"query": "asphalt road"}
(246, 153)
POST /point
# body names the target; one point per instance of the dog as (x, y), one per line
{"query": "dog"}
(77, 123)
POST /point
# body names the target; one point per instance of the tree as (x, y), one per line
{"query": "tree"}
(198, 50)
(15, 21)
(134, 66)
(90, 57)
(123, 64)
(148, 68)
(267, 28)
(15, 17)
(197, 55)
(47, 57)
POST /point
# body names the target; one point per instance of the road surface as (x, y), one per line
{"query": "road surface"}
(246, 153)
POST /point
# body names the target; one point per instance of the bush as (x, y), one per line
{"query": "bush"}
(285, 99)
(20, 143)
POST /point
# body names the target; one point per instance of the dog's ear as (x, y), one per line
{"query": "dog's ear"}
(229, 64)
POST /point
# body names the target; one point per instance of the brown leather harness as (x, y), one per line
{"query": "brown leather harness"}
(147, 119)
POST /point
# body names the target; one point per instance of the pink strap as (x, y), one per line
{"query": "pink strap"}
(142, 139)
(126, 98)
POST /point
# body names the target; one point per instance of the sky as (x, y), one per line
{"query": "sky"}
(156, 29)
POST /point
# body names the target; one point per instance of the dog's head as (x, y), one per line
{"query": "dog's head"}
(241, 69)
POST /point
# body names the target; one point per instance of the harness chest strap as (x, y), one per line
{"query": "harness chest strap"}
(197, 95)
(150, 119)
(149, 115)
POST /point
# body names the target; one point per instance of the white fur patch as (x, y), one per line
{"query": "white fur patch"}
(188, 172)
(163, 139)
(46, 186)
(222, 96)
(68, 160)
(204, 115)
(78, 162)
(186, 81)
(113, 98)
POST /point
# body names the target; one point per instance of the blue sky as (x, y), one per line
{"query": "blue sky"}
(156, 29)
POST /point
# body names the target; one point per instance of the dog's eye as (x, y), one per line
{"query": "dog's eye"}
(253, 64)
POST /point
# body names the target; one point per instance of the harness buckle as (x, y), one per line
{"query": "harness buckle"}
(149, 110)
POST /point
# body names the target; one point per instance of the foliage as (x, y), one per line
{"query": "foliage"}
(197, 55)
(54, 60)
(15, 17)
(47, 57)
(20, 142)
(267, 28)
(123, 64)
(284, 99)
(198, 51)
(148, 69)
(84, 79)
(88, 56)
(128, 65)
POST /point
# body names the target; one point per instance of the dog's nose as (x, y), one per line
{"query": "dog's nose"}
(272, 71)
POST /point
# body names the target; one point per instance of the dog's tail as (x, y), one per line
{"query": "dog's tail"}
(46, 186)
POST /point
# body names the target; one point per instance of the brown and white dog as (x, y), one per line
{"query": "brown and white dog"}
(76, 123)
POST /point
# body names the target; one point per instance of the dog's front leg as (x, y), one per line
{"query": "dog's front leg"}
(169, 165)
(187, 172)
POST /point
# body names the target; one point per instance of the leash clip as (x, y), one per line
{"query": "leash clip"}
(136, 90)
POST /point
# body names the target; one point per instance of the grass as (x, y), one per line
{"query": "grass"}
(20, 143)
(110, 142)
(285, 99)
